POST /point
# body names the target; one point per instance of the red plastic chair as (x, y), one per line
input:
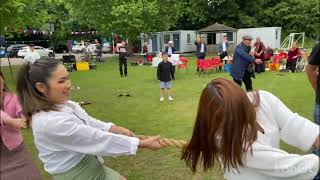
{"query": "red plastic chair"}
(149, 58)
(217, 62)
(184, 64)
(204, 65)
(277, 59)
(283, 54)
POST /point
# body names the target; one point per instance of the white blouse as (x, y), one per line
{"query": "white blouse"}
(267, 161)
(64, 137)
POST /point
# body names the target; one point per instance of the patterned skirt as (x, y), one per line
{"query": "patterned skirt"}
(17, 164)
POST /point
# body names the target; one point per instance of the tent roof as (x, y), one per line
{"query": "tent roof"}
(216, 28)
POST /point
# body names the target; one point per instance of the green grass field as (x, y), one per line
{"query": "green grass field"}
(144, 114)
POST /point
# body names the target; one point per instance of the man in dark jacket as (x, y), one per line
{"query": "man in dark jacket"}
(165, 75)
(201, 49)
(170, 49)
(242, 59)
(314, 78)
(123, 59)
(223, 47)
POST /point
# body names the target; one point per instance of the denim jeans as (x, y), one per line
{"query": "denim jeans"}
(317, 121)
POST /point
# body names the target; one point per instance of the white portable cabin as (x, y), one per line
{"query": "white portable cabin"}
(183, 41)
(270, 36)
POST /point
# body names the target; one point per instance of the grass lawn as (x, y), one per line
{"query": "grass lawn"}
(144, 114)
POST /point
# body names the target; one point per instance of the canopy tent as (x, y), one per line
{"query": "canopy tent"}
(217, 28)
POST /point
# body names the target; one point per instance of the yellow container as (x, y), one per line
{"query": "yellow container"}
(82, 66)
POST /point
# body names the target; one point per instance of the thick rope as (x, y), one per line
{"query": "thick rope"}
(167, 142)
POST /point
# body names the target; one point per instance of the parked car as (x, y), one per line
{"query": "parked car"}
(106, 47)
(2, 52)
(61, 48)
(12, 50)
(77, 48)
(43, 52)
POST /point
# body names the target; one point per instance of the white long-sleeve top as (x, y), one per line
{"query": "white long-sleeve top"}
(267, 161)
(64, 137)
(31, 57)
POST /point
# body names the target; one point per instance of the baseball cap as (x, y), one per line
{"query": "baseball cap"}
(247, 37)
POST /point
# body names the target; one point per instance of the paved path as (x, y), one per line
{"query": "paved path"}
(20, 61)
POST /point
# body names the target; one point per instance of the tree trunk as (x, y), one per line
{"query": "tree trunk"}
(129, 48)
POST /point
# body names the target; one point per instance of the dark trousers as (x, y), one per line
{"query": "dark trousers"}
(123, 62)
(200, 56)
(223, 55)
(246, 80)
(260, 67)
(291, 65)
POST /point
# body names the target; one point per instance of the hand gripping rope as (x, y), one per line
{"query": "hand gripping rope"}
(167, 142)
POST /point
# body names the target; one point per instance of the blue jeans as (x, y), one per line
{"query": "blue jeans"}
(317, 121)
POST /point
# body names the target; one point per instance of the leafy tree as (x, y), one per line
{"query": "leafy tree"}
(127, 17)
(17, 14)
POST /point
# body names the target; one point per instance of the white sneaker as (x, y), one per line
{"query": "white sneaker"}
(170, 98)
(161, 99)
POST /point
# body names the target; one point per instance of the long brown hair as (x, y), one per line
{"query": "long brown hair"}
(225, 127)
(29, 75)
(5, 87)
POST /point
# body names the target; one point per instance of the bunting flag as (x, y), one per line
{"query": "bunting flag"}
(83, 32)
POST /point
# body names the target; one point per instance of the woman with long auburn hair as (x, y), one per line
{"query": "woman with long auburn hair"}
(242, 132)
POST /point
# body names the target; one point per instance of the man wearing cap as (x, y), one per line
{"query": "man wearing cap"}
(242, 61)
(170, 49)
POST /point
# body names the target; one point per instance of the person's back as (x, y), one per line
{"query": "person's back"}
(239, 63)
(268, 161)
(242, 133)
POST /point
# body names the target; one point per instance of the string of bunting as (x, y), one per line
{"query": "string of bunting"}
(32, 41)
(165, 142)
(84, 32)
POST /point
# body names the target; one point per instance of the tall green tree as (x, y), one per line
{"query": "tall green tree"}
(17, 14)
(127, 17)
(291, 15)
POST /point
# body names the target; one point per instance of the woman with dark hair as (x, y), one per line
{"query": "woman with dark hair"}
(242, 132)
(15, 160)
(69, 141)
(259, 54)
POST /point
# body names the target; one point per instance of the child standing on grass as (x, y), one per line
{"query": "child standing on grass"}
(165, 75)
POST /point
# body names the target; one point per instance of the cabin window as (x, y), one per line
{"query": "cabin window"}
(211, 38)
(230, 36)
(188, 39)
(166, 38)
